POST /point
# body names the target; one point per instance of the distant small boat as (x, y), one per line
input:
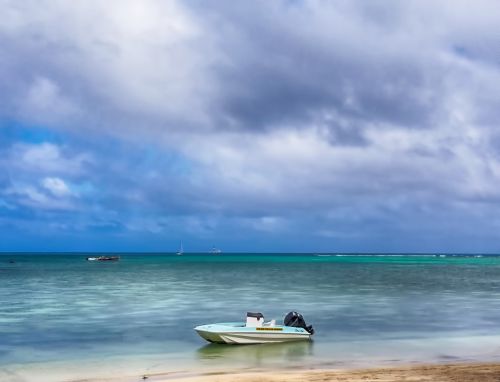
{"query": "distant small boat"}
(215, 250)
(103, 258)
(181, 250)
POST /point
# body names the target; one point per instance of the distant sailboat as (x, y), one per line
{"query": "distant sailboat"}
(181, 250)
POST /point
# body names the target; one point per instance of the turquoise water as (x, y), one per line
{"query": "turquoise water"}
(56, 308)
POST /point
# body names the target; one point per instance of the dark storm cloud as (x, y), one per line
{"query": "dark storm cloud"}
(283, 67)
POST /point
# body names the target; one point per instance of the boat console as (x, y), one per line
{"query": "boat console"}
(254, 320)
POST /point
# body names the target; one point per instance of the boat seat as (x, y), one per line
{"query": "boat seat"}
(271, 323)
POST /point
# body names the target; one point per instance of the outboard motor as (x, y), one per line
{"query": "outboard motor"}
(296, 320)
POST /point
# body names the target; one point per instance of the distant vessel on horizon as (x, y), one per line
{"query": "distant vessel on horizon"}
(215, 250)
(103, 258)
(181, 250)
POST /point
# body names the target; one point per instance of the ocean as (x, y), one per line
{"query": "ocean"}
(140, 312)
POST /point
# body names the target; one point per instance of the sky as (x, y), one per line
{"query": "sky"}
(286, 125)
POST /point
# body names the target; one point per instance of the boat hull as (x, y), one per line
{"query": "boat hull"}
(235, 333)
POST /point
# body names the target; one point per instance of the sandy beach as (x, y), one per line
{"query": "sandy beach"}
(477, 372)
(438, 372)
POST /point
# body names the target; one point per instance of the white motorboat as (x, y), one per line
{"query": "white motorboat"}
(256, 331)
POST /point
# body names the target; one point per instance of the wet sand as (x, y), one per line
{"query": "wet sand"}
(482, 372)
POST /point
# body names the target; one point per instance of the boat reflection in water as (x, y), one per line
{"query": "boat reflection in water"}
(257, 355)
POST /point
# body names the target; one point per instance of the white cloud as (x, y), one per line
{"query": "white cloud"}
(56, 187)
(35, 198)
(46, 158)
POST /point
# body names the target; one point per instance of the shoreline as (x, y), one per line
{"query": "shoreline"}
(456, 371)
(453, 372)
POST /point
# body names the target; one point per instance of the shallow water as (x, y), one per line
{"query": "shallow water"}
(364, 308)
